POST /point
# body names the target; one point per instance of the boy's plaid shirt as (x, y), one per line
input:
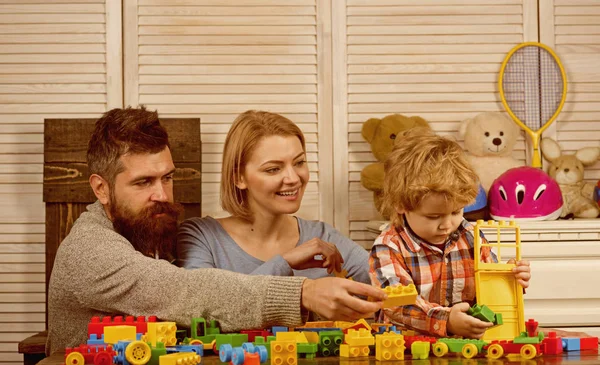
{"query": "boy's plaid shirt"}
(442, 279)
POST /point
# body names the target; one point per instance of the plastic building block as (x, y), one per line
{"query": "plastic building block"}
(420, 350)
(297, 337)
(408, 340)
(467, 347)
(553, 344)
(354, 351)
(361, 323)
(329, 342)
(157, 352)
(113, 334)
(85, 354)
(247, 354)
(96, 325)
(361, 337)
(318, 324)
(199, 349)
(317, 330)
(400, 295)
(276, 329)
(253, 333)
(94, 340)
(284, 353)
(571, 344)
(588, 343)
(265, 342)
(495, 283)
(485, 314)
(181, 358)
(309, 350)
(312, 337)
(389, 346)
(162, 332)
(496, 349)
(138, 350)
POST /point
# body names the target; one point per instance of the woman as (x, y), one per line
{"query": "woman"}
(263, 180)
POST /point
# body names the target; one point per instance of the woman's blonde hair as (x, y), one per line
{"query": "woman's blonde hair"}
(423, 163)
(247, 130)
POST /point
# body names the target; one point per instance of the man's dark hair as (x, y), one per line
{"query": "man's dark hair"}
(122, 131)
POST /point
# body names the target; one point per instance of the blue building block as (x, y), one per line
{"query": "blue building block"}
(276, 329)
(94, 340)
(571, 344)
(120, 347)
(198, 349)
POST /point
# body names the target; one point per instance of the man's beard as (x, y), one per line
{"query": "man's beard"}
(148, 234)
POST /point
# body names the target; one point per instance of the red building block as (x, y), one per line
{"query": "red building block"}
(408, 340)
(96, 325)
(588, 343)
(531, 327)
(93, 354)
(553, 344)
(252, 334)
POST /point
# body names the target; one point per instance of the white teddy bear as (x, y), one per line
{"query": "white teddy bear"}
(489, 141)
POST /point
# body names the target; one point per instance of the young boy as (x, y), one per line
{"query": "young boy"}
(428, 182)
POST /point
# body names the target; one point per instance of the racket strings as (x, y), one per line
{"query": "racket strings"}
(533, 86)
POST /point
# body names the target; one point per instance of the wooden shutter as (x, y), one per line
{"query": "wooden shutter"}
(572, 29)
(208, 59)
(57, 59)
(438, 59)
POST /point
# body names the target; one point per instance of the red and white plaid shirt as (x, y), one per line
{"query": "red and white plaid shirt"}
(442, 278)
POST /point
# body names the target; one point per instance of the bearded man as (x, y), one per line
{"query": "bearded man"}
(117, 258)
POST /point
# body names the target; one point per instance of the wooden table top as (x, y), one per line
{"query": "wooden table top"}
(568, 358)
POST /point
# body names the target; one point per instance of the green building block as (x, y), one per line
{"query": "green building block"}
(260, 340)
(309, 349)
(329, 342)
(485, 314)
(156, 352)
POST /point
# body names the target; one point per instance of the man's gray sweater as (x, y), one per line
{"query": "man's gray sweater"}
(97, 272)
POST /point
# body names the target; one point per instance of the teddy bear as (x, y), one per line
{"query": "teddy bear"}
(489, 139)
(567, 170)
(380, 134)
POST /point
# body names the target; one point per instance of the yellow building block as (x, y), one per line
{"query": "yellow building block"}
(360, 337)
(389, 346)
(297, 337)
(400, 295)
(113, 334)
(284, 353)
(180, 358)
(161, 332)
(354, 351)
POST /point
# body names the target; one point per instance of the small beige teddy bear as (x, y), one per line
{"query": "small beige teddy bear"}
(567, 170)
(489, 141)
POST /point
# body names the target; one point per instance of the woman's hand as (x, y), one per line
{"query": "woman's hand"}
(303, 256)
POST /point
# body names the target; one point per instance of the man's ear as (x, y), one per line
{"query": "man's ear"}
(100, 188)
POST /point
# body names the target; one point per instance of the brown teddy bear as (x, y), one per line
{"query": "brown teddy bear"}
(567, 170)
(489, 141)
(380, 134)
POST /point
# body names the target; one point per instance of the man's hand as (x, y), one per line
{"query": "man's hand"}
(462, 324)
(522, 272)
(303, 256)
(334, 298)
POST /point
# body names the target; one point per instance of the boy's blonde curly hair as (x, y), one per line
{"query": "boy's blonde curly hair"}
(422, 163)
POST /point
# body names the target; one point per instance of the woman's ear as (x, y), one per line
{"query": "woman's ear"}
(241, 183)
(400, 210)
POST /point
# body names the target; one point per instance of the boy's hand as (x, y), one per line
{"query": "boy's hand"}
(522, 272)
(462, 324)
(335, 298)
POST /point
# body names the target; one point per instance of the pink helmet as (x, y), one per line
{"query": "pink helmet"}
(525, 193)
